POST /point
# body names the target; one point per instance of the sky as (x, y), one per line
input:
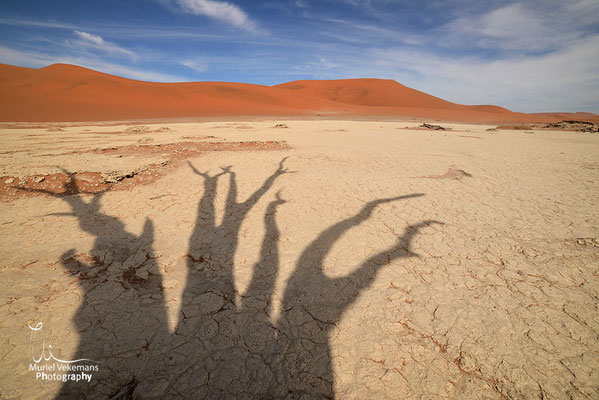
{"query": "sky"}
(529, 56)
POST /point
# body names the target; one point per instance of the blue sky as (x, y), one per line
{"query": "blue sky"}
(531, 56)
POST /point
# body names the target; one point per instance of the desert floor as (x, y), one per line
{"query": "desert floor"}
(348, 259)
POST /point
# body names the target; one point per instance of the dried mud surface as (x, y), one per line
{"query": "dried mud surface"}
(170, 155)
(331, 259)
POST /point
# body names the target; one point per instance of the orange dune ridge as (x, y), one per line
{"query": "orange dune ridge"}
(68, 93)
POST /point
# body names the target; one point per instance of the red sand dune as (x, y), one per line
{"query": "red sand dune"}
(62, 92)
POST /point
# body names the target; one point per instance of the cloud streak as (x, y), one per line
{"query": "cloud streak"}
(38, 24)
(96, 42)
(39, 59)
(220, 11)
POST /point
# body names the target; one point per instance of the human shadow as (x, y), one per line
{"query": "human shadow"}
(207, 335)
(122, 308)
(225, 344)
(212, 247)
(228, 343)
(314, 303)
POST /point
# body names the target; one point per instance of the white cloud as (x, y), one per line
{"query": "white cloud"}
(128, 72)
(370, 7)
(564, 80)
(96, 42)
(196, 65)
(38, 59)
(528, 26)
(219, 10)
(365, 33)
(31, 23)
(512, 26)
(318, 69)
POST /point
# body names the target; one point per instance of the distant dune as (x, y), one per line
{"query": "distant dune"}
(62, 92)
(574, 116)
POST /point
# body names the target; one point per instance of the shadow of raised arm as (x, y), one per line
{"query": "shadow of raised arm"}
(313, 303)
(246, 206)
(90, 218)
(205, 175)
(265, 272)
(312, 257)
(212, 247)
(362, 278)
(310, 288)
(206, 210)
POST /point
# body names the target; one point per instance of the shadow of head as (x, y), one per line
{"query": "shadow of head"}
(112, 241)
(71, 194)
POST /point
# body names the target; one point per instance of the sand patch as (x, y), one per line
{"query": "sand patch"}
(451, 173)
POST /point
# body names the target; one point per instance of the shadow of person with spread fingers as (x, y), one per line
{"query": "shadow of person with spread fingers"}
(122, 308)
